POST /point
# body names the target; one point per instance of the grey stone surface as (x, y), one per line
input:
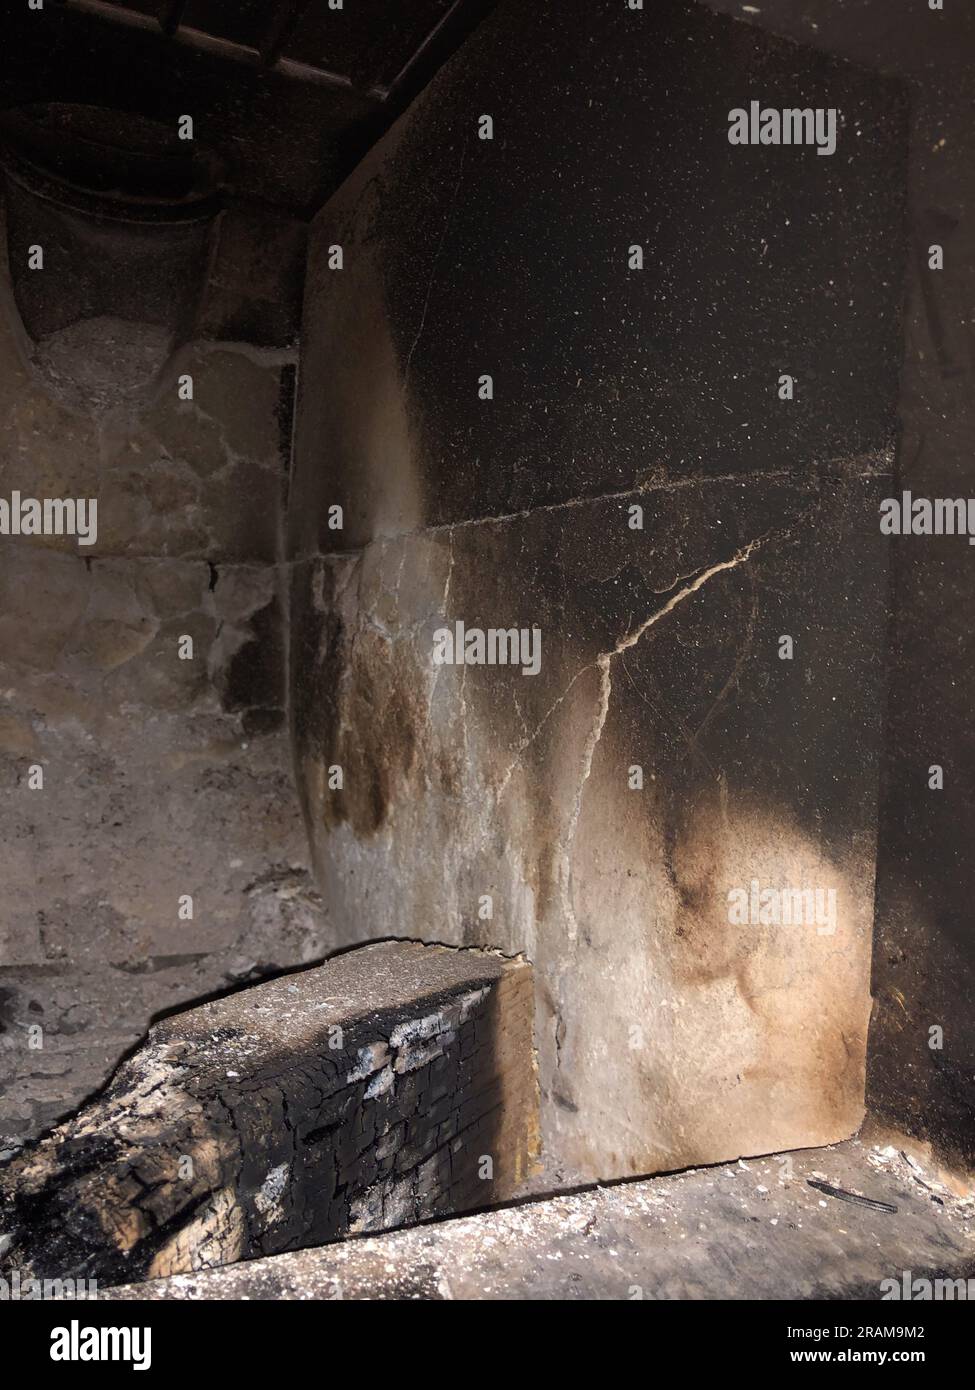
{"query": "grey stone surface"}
(162, 777)
(924, 958)
(465, 256)
(753, 1230)
(666, 1035)
(620, 896)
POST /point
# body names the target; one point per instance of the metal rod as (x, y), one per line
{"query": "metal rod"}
(224, 48)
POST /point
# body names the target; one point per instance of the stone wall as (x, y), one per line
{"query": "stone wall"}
(920, 1082)
(162, 777)
(597, 815)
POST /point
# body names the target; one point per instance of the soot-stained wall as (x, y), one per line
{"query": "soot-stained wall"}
(162, 777)
(921, 1076)
(637, 488)
(921, 1068)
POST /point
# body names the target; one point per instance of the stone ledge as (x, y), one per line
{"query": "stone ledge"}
(746, 1230)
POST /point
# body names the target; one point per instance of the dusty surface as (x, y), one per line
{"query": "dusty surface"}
(164, 778)
(667, 1035)
(391, 1084)
(924, 958)
(754, 1229)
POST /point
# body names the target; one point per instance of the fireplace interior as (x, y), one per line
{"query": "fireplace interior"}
(442, 600)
